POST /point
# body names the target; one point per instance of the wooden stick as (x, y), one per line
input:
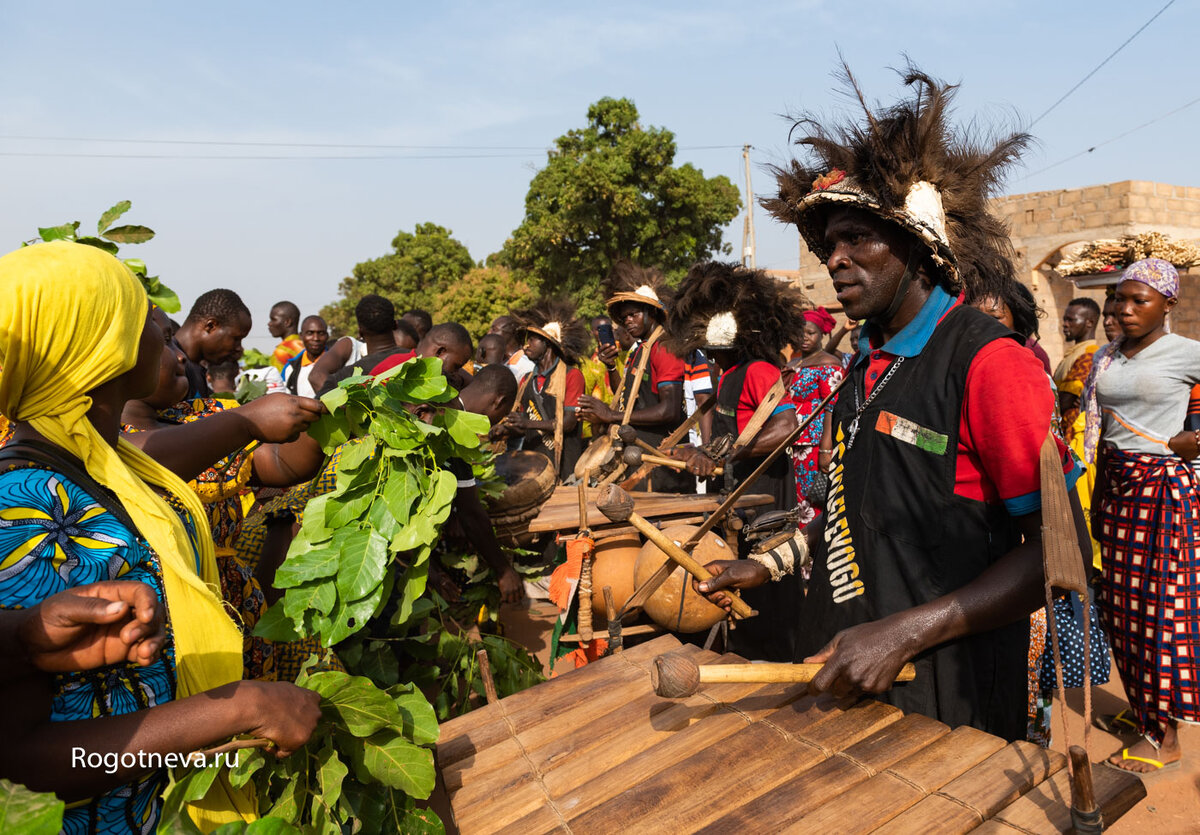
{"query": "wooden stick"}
(1085, 815)
(232, 745)
(614, 621)
(639, 629)
(729, 502)
(485, 673)
(617, 506)
(676, 675)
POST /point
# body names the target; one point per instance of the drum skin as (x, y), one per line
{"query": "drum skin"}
(613, 566)
(598, 453)
(663, 607)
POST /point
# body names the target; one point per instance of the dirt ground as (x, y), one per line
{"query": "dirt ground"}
(1172, 803)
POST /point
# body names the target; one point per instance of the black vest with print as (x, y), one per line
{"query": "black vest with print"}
(771, 634)
(897, 536)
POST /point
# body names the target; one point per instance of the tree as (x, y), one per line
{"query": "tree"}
(480, 296)
(421, 265)
(611, 191)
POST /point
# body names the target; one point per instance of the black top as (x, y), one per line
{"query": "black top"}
(897, 536)
(538, 404)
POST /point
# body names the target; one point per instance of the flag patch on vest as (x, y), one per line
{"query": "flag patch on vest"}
(903, 429)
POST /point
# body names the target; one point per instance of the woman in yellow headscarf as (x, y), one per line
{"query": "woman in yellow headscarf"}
(79, 505)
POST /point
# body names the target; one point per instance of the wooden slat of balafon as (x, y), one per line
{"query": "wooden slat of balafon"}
(903, 784)
(575, 755)
(458, 738)
(967, 801)
(745, 765)
(853, 763)
(1047, 806)
(729, 719)
(538, 742)
(561, 511)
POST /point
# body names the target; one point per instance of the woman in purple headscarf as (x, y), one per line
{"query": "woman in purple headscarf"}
(1146, 514)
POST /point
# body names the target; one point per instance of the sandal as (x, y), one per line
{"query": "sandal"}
(1118, 723)
(1159, 765)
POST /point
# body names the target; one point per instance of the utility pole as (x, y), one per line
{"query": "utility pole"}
(748, 258)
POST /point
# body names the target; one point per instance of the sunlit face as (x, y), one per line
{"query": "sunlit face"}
(219, 343)
(1077, 323)
(635, 318)
(810, 339)
(866, 261)
(535, 347)
(315, 334)
(1140, 308)
(280, 324)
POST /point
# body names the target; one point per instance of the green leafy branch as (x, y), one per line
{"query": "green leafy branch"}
(108, 238)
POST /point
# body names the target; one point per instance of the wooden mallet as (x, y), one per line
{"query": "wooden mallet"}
(677, 676)
(635, 457)
(617, 506)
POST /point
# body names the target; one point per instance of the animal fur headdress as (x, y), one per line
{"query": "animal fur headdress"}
(555, 321)
(907, 164)
(724, 306)
(629, 282)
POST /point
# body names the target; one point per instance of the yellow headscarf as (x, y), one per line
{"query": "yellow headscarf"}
(71, 317)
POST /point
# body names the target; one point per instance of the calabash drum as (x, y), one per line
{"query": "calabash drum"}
(599, 452)
(530, 480)
(676, 605)
(612, 566)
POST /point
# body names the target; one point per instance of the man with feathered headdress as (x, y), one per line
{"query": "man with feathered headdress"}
(544, 416)
(934, 483)
(651, 389)
(741, 319)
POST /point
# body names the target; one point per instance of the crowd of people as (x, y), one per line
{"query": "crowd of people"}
(140, 504)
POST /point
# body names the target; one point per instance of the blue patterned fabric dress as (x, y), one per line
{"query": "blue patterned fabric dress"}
(54, 536)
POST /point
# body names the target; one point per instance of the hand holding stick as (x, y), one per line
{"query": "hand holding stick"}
(676, 676)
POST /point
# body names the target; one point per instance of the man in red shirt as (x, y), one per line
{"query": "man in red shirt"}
(932, 545)
(545, 415)
(637, 299)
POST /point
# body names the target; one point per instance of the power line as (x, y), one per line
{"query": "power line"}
(1113, 139)
(1101, 64)
(277, 144)
(261, 156)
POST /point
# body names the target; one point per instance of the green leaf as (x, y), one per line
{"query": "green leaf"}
(312, 564)
(361, 568)
(200, 782)
(415, 579)
(357, 704)
(335, 399)
(420, 530)
(421, 822)
(348, 618)
(313, 529)
(379, 664)
(110, 217)
(136, 265)
(275, 625)
(129, 234)
(287, 805)
(165, 298)
(262, 826)
(420, 722)
(312, 596)
(465, 427)
(249, 760)
(66, 232)
(111, 249)
(27, 812)
(399, 494)
(330, 772)
(346, 509)
(390, 759)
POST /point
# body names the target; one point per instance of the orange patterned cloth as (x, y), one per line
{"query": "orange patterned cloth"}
(1070, 377)
(285, 350)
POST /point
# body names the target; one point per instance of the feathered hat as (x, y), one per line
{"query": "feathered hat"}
(630, 282)
(724, 306)
(905, 163)
(555, 321)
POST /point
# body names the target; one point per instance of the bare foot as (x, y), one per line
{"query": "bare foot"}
(1166, 754)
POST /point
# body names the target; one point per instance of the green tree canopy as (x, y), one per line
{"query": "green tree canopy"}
(479, 297)
(611, 191)
(422, 264)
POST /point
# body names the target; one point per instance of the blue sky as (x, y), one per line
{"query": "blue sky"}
(506, 79)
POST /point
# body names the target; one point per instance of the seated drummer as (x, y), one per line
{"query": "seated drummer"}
(636, 299)
(741, 318)
(555, 339)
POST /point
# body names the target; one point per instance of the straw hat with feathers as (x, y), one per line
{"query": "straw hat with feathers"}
(629, 282)
(724, 306)
(555, 321)
(905, 163)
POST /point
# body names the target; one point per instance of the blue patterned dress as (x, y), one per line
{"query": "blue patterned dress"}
(54, 536)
